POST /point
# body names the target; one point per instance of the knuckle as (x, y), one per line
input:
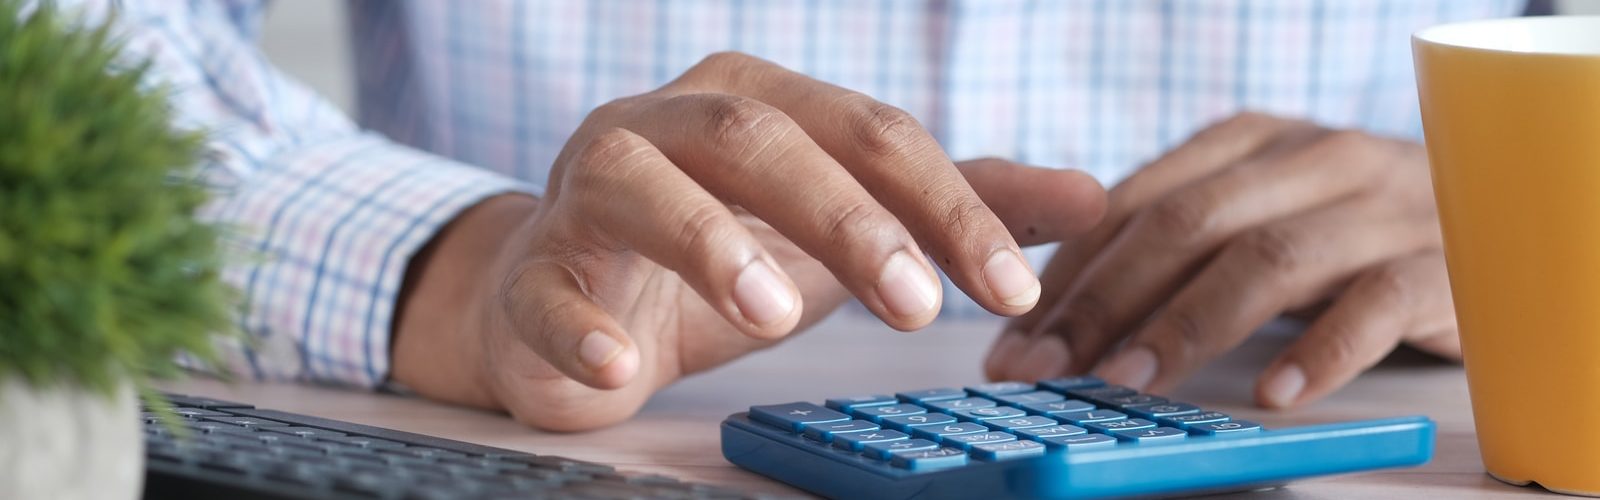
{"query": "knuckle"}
(1276, 249)
(962, 217)
(1340, 348)
(608, 149)
(737, 124)
(1183, 218)
(851, 223)
(727, 67)
(1344, 140)
(1188, 333)
(1392, 282)
(701, 229)
(881, 130)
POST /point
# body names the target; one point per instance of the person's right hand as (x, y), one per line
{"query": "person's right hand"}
(711, 217)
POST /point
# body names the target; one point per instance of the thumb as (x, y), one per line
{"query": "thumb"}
(1038, 205)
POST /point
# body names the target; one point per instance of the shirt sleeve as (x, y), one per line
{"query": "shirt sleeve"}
(321, 217)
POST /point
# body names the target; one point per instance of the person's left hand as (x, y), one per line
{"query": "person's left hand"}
(1251, 218)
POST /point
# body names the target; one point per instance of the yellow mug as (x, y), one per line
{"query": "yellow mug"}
(1511, 111)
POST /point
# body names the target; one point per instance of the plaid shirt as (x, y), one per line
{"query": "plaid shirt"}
(464, 100)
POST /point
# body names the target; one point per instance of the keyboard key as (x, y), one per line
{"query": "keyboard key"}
(305, 432)
(1015, 423)
(953, 405)
(1120, 425)
(247, 422)
(1167, 409)
(1080, 442)
(876, 413)
(965, 441)
(847, 404)
(1229, 427)
(929, 459)
(1133, 400)
(1184, 421)
(197, 413)
(1039, 433)
(1028, 398)
(1000, 388)
(904, 422)
(1151, 435)
(364, 442)
(855, 441)
(988, 413)
(203, 403)
(824, 431)
(1097, 393)
(1083, 417)
(794, 416)
(1057, 407)
(1007, 450)
(882, 450)
(937, 432)
(923, 397)
(1064, 384)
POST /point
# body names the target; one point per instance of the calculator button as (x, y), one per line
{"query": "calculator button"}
(1067, 406)
(882, 450)
(855, 441)
(1039, 433)
(1167, 409)
(1119, 425)
(1065, 384)
(925, 396)
(1206, 417)
(1080, 442)
(1084, 417)
(876, 413)
(1228, 427)
(1105, 391)
(904, 422)
(824, 431)
(1028, 398)
(929, 459)
(1151, 435)
(794, 417)
(1000, 388)
(1014, 423)
(1007, 450)
(953, 405)
(938, 432)
(965, 441)
(847, 404)
(990, 412)
(1132, 400)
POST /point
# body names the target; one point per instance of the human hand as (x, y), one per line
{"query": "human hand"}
(692, 224)
(1252, 218)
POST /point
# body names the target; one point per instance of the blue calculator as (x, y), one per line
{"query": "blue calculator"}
(1074, 437)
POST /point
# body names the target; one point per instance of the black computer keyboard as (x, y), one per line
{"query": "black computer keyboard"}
(236, 451)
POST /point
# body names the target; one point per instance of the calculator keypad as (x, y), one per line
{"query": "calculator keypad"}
(946, 427)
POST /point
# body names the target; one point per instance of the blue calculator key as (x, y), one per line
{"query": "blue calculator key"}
(1101, 392)
(1057, 407)
(1007, 450)
(1000, 388)
(1015, 423)
(855, 441)
(1167, 409)
(1084, 417)
(847, 404)
(939, 432)
(954, 405)
(965, 441)
(1119, 425)
(904, 422)
(794, 417)
(925, 396)
(824, 431)
(1133, 400)
(882, 450)
(1064, 384)
(1228, 427)
(929, 459)
(1026, 398)
(1039, 433)
(1080, 442)
(990, 412)
(876, 413)
(1205, 417)
(1151, 435)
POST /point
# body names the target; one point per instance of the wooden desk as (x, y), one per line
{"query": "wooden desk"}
(677, 432)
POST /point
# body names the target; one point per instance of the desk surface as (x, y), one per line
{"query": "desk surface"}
(677, 433)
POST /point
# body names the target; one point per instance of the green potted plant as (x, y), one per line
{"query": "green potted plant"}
(105, 276)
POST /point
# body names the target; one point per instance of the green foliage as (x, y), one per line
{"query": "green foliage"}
(104, 273)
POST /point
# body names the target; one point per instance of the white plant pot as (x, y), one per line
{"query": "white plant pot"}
(69, 444)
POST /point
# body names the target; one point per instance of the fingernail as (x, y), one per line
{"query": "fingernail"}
(1284, 386)
(1133, 368)
(1010, 280)
(1006, 349)
(906, 288)
(597, 349)
(763, 298)
(1047, 357)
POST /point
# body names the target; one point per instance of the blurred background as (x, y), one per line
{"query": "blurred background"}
(307, 39)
